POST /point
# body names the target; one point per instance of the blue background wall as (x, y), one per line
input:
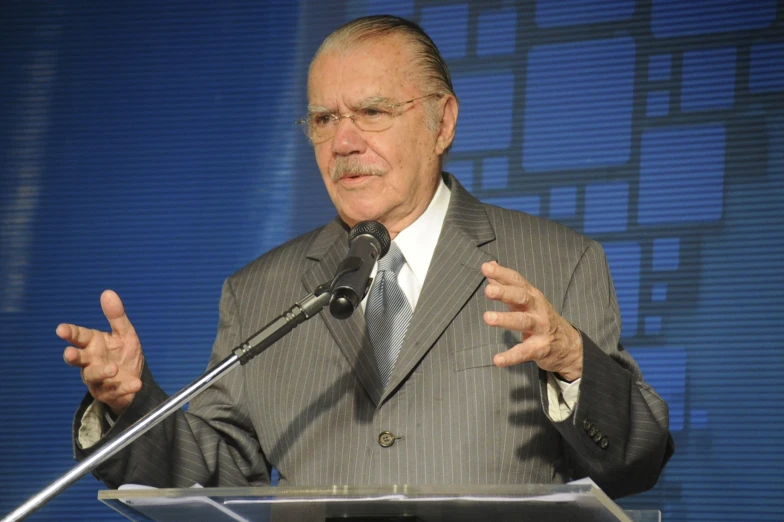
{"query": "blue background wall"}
(151, 149)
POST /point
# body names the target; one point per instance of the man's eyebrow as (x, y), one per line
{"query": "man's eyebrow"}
(374, 100)
(313, 109)
(362, 104)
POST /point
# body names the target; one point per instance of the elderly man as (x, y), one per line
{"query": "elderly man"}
(501, 363)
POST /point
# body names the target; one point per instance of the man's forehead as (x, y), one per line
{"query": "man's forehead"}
(368, 70)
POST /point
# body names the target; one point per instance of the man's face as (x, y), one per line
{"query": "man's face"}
(403, 157)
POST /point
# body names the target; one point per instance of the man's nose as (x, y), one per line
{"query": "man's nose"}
(348, 138)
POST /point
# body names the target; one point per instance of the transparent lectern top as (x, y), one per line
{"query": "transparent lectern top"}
(580, 501)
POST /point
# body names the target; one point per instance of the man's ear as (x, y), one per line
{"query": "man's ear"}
(446, 132)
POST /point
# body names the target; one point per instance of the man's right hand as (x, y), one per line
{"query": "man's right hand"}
(111, 363)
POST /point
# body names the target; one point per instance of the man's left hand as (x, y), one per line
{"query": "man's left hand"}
(548, 339)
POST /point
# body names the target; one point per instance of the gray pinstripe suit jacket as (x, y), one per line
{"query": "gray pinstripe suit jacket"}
(313, 407)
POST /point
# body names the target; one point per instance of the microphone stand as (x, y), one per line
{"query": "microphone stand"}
(257, 343)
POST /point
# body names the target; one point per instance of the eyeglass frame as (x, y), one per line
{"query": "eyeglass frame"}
(304, 124)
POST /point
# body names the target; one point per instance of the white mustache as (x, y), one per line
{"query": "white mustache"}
(350, 165)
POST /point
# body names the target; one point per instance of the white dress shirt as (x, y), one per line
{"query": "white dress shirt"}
(417, 242)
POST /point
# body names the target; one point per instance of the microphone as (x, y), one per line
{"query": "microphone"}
(368, 242)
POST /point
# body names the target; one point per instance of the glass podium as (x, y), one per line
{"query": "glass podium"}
(581, 501)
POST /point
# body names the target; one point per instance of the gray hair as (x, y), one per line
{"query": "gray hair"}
(434, 73)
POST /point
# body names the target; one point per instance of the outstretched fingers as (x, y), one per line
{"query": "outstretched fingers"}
(116, 393)
(503, 275)
(111, 362)
(518, 321)
(515, 297)
(73, 357)
(98, 373)
(114, 311)
(532, 349)
(79, 336)
(508, 287)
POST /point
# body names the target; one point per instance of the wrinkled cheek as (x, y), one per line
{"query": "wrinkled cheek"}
(324, 160)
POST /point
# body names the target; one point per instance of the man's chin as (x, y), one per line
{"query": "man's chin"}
(357, 215)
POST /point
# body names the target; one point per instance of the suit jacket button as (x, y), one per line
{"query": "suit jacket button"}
(592, 431)
(386, 439)
(604, 443)
(587, 424)
(597, 436)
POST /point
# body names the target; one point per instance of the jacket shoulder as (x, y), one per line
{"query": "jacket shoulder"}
(512, 223)
(289, 257)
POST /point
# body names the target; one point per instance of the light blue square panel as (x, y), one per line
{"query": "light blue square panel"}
(659, 292)
(495, 173)
(708, 79)
(681, 175)
(658, 104)
(666, 253)
(606, 207)
(659, 67)
(527, 204)
(485, 111)
(675, 18)
(767, 67)
(624, 260)
(562, 13)
(447, 26)
(497, 31)
(563, 202)
(578, 105)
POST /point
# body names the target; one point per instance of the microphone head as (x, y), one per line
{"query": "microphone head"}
(350, 285)
(341, 307)
(374, 229)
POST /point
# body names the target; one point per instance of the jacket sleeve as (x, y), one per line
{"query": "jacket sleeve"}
(213, 444)
(618, 433)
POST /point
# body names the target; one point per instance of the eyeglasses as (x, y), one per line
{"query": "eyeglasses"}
(319, 126)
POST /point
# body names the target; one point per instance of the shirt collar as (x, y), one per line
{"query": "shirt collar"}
(418, 240)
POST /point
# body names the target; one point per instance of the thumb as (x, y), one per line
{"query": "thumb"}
(115, 312)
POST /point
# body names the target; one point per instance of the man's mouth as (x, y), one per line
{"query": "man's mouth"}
(353, 178)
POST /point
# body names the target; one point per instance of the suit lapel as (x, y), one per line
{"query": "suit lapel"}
(350, 335)
(453, 277)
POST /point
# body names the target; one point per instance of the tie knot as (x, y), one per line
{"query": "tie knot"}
(393, 261)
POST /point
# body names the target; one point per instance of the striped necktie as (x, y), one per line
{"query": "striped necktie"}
(387, 313)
